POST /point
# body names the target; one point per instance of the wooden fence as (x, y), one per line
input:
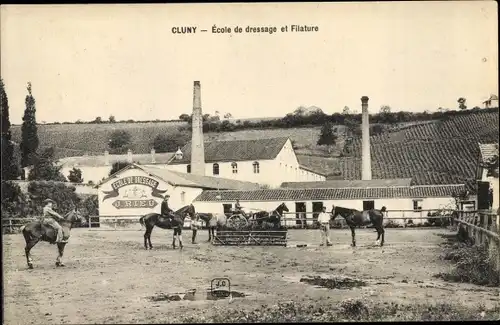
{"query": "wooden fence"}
(487, 221)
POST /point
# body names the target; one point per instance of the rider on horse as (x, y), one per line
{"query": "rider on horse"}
(51, 218)
(165, 209)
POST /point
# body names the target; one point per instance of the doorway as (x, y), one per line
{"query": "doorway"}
(368, 205)
(300, 209)
(227, 209)
(317, 208)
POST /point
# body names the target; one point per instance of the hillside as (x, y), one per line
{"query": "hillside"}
(441, 152)
(78, 139)
(438, 151)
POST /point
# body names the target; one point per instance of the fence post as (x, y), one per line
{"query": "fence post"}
(10, 225)
(115, 222)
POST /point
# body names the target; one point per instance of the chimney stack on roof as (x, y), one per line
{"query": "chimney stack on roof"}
(366, 166)
(153, 159)
(106, 158)
(197, 146)
(129, 156)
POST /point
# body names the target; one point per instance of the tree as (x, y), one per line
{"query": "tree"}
(170, 142)
(462, 103)
(184, 117)
(112, 119)
(75, 175)
(9, 166)
(327, 137)
(352, 127)
(119, 141)
(29, 141)
(44, 168)
(97, 120)
(228, 115)
(385, 109)
(346, 110)
(117, 166)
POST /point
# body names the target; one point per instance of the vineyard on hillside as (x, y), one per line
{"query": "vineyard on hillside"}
(77, 139)
(442, 152)
(431, 152)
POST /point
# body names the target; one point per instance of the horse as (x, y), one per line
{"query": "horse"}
(35, 231)
(213, 221)
(355, 218)
(155, 219)
(273, 217)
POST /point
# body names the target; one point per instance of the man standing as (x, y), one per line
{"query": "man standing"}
(166, 212)
(195, 225)
(324, 227)
(51, 218)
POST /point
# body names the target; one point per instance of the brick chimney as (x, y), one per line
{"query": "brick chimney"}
(366, 165)
(153, 159)
(129, 156)
(106, 158)
(197, 146)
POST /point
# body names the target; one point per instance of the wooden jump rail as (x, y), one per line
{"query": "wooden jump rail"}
(250, 238)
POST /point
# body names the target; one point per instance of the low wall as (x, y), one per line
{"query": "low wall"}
(119, 223)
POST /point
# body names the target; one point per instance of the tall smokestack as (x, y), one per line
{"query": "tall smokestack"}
(366, 163)
(197, 147)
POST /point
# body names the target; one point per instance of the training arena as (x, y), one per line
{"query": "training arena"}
(110, 277)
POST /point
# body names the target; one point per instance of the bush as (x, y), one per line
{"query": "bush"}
(471, 264)
(14, 201)
(64, 195)
(392, 224)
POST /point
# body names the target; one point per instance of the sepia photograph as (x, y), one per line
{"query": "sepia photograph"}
(250, 162)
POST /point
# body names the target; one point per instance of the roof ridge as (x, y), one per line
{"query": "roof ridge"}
(342, 188)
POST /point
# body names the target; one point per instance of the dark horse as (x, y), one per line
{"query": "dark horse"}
(35, 231)
(355, 218)
(155, 219)
(273, 217)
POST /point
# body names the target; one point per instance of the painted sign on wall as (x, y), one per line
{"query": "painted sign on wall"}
(134, 196)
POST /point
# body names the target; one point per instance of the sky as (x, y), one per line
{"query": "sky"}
(86, 61)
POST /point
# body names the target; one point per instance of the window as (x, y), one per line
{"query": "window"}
(234, 166)
(256, 169)
(183, 197)
(216, 169)
(188, 169)
(417, 205)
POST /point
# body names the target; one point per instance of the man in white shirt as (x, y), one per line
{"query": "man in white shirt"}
(324, 227)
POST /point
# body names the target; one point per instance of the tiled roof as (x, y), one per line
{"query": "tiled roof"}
(333, 193)
(236, 150)
(350, 183)
(97, 161)
(190, 180)
(312, 170)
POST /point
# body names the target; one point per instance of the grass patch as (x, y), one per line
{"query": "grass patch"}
(471, 263)
(347, 310)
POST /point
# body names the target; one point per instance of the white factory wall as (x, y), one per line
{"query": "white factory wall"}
(284, 168)
(390, 204)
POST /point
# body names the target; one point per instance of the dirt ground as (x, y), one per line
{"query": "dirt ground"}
(109, 277)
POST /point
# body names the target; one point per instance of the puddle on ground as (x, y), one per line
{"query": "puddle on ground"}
(193, 295)
(333, 282)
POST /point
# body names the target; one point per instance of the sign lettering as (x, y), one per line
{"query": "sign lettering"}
(135, 204)
(133, 180)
